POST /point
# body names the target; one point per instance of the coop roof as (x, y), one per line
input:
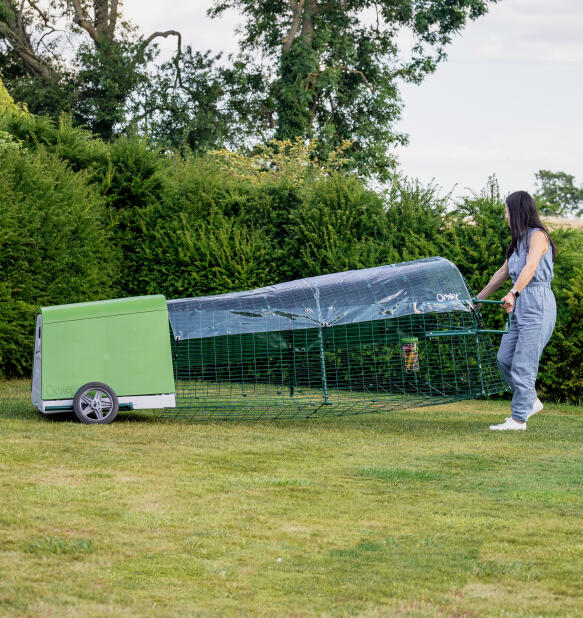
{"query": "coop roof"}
(431, 285)
(103, 308)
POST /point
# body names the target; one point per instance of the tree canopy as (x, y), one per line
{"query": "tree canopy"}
(332, 69)
(73, 55)
(557, 194)
(313, 69)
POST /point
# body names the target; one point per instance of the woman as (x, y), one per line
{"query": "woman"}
(529, 263)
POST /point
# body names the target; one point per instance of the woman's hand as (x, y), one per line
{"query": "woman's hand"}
(508, 301)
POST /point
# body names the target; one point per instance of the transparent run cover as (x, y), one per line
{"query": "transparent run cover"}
(431, 285)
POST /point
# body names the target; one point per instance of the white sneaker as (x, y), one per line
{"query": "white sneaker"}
(509, 424)
(536, 407)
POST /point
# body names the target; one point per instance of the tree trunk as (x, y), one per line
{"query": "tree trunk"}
(105, 18)
(101, 20)
(36, 65)
(102, 26)
(13, 31)
(297, 7)
(308, 21)
(296, 99)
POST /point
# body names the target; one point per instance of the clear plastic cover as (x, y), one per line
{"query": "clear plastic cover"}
(431, 285)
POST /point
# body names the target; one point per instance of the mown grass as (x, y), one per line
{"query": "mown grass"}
(408, 513)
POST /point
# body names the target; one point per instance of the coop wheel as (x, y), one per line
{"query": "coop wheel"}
(95, 403)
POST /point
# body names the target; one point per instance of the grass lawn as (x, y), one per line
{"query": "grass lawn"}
(407, 513)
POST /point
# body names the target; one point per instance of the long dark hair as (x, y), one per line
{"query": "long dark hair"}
(522, 214)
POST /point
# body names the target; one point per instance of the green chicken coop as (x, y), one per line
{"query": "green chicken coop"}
(95, 358)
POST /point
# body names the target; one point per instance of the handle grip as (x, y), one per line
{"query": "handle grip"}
(490, 302)
(474, 331)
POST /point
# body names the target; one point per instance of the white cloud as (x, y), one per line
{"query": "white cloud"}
(526, 31)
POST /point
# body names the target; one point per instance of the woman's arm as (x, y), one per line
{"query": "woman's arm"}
(496, 282)
(537, 247)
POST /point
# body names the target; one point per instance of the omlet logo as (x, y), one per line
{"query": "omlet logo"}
(449, 296)
(60, 389)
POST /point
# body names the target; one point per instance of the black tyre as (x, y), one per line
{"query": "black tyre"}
(95, 404)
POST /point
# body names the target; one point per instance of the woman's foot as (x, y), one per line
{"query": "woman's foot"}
(509, 425)
(537, 406)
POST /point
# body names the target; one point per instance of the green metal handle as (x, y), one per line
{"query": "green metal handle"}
(474, 331)
(491, 302)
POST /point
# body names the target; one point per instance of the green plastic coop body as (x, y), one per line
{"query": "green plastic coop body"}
(395, 336)
(122, 343)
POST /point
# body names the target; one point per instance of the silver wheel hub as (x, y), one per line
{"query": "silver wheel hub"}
(96, 402)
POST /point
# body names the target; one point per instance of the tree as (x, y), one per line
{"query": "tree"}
(106, 58)
(333, 68)
(195, 101)
(20, 23)
(557, 194)
(314, 69)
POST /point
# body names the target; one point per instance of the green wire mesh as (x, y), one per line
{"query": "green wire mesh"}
(333, 369)
(347, 369)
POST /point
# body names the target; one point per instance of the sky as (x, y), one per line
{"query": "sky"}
(508, 101)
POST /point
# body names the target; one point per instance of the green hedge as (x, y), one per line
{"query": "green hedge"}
(54, 248)
(561, 369)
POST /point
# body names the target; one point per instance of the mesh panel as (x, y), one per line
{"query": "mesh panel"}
(345, 369)
(352, 362)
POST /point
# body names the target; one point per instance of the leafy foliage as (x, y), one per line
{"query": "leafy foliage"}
(6, 101)
(226, 222)
(557, 194)
(77, 207)
(107, 59)
(107, 75)
(561, 375)
(54, 248)
(476, 236)
(196, 103)
(327, 71)
(131, 184)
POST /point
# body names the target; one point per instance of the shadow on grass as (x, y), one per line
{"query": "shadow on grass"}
(16, 409)
(420, 421)
(383, 423)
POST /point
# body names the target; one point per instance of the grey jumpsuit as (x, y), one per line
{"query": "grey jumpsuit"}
(535, 313)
